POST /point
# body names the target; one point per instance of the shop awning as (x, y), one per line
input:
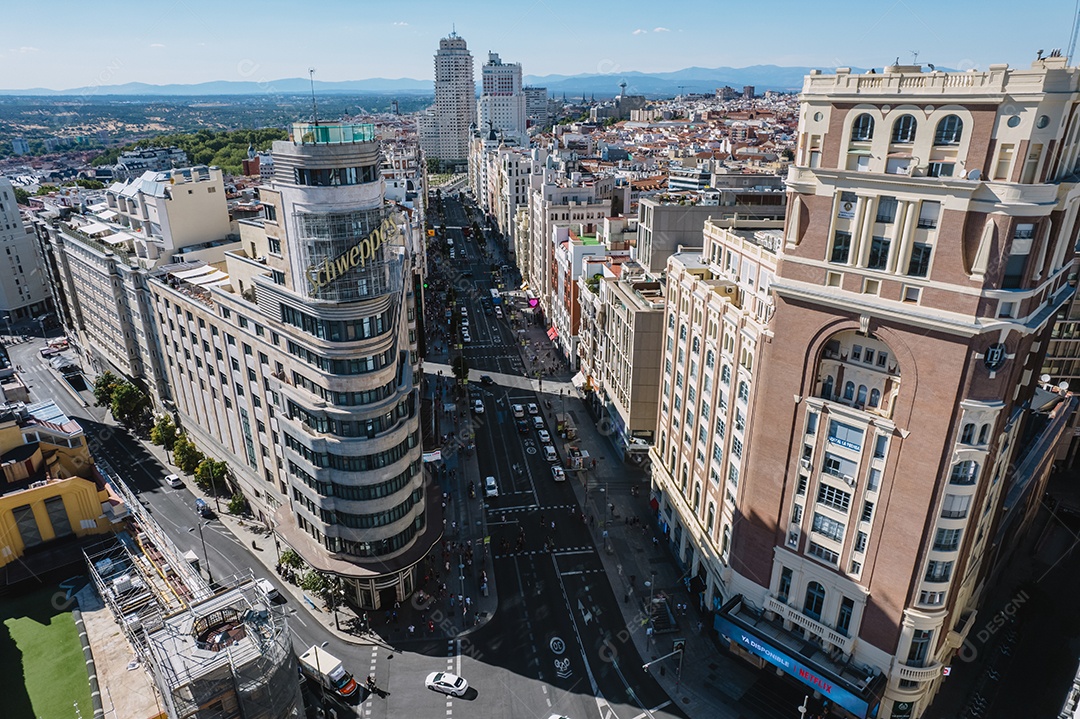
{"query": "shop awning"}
(578, 380)
(552, 333)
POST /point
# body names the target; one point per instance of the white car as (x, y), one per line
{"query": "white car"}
(174, 481)
(466, 337)
(558, 474)
(490, 488)
(550, 454)
(538, 422)
(446, 683)
(518, 411)
(464, 321)
(533, 408)
(464, 311)
(478, 406)
(545, 436)
(268, 589)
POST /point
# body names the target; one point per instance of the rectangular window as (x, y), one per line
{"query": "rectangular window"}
(860, 541)
(784, 590)
(828, 527)
(811, 422)
(801, 488)
(845, 435)
(955, 506)
(841, 247)
(940, 169)
(886, 211)
(932, 598)
(919, 265)
(796, 514)
(947, 540)
(938, 571)
(826, 555)
(873, 480)
(838, 466)
(1004, 162)
(928, 215)
(867, 512)
(881, 444)
(843, 619)
(736, 447)
(879, 253)
(833, 497)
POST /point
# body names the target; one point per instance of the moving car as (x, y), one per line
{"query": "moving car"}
(518, 410)
(490, 488)
(545, 436)
(538, 422)
(558, 474)
(203, 509)
(498, 312)
(486, 380)
(478, 406)
(174, 481)
(550, 454)
(464, 311)
(533, 408)
(268, 589)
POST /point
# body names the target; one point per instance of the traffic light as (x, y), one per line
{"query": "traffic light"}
(678, 645)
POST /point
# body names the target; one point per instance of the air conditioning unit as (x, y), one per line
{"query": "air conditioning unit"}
(849, 480)
(804, 463)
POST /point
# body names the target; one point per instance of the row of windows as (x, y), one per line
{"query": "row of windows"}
(357, 493)
(948, 132)
(352, 366)
(376, 548)
(349, 428)
(337, 330)
(346, 399)
(351, 463)
(336, 176)
(362, 521)
(878, 259)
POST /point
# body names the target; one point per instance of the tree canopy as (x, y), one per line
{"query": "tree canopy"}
(225, 149)
(185, 454)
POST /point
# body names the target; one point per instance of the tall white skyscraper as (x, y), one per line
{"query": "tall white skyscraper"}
(502, 101)
(444, 131)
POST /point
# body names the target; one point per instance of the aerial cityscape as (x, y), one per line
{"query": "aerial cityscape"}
(383, 378)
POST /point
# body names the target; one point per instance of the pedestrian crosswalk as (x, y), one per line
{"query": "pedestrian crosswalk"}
(556, 552)
(530, 508)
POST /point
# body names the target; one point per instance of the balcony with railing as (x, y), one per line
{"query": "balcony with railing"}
(917, 674)
(844, 643)
(307, 133)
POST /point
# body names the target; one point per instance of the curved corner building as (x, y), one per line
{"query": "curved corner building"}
(317, 318)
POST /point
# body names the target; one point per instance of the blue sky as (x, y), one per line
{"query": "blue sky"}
(72, 43)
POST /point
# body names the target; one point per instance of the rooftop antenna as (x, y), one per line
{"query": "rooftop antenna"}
(314, 105)
(914, 57)
(1075, 32)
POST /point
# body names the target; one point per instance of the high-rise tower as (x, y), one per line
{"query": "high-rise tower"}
(502, 101)
(444, 132)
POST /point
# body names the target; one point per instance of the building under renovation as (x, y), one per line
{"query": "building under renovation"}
(213, 653)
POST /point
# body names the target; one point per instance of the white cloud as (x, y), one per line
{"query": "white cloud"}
(661, 29)
(24, 50)
(401, 24)
(156, 44)
(639, 31)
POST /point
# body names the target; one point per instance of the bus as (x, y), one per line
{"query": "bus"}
(495, 299)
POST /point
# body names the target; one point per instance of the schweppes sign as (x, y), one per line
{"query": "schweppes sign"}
(356, 256)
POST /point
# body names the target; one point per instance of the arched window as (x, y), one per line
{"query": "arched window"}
(711, 519)
(903, 130)
(663, 443)
(967, 436)
(860, 400)
(849, 391)
(827, 387)
(875, 397)
(863, 129)
(984, 434)
(673, 463)
(682, 332)
(671, 322)
(814, 601)
(726, 541)
(697, 496)
(949, 130)
(685, 480)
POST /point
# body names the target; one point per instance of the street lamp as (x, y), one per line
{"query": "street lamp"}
(7, 318)
(41, 321)
(206, 557)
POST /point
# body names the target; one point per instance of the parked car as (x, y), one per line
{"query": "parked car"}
(545, 436)
(538, 422)
(533, 408)
(550, 454)
(490, 488)
(49, 351)
(464, 321)
(174, 481)
(465, 336)
(523, 426)
(478, 406)
(558, 474)
(518, 410)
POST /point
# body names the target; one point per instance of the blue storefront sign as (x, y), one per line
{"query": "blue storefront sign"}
(778, 658)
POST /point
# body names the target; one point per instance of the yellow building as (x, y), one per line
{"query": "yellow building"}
(50, 489)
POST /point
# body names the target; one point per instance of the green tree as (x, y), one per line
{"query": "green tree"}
(185, 455)
(210, 473)
(22, 196)
(164, 432)
(461, 367)
(128, 404)
(289, 558)
(314, 582)
(432, 165)
(104, 386)
(238, 503)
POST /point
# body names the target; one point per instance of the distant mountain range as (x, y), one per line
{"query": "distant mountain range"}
(653, 84)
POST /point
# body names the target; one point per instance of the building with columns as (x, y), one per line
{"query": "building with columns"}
(895, 439)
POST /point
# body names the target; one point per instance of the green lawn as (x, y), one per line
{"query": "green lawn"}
(42, 670)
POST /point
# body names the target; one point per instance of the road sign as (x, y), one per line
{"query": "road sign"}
(557, 645)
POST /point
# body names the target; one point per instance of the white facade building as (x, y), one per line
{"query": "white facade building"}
(502, 102)
(444, 132)
(24, 287)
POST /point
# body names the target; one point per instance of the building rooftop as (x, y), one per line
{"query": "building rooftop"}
(332, 133)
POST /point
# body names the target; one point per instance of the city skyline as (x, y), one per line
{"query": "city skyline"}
(175, 43)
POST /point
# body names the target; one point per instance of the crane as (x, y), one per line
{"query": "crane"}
(1075, 30)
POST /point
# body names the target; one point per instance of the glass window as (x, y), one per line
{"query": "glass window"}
(879, 253)
(841, 247)
(886, 211)
(814, 600)
(784, 588)
(828, 527)
(904, 129)
(833, 497)
(955, 506)
(949, 130)
(863, 128)
(947, 540)
(843, 619)
(919, 264)
(845, 435)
